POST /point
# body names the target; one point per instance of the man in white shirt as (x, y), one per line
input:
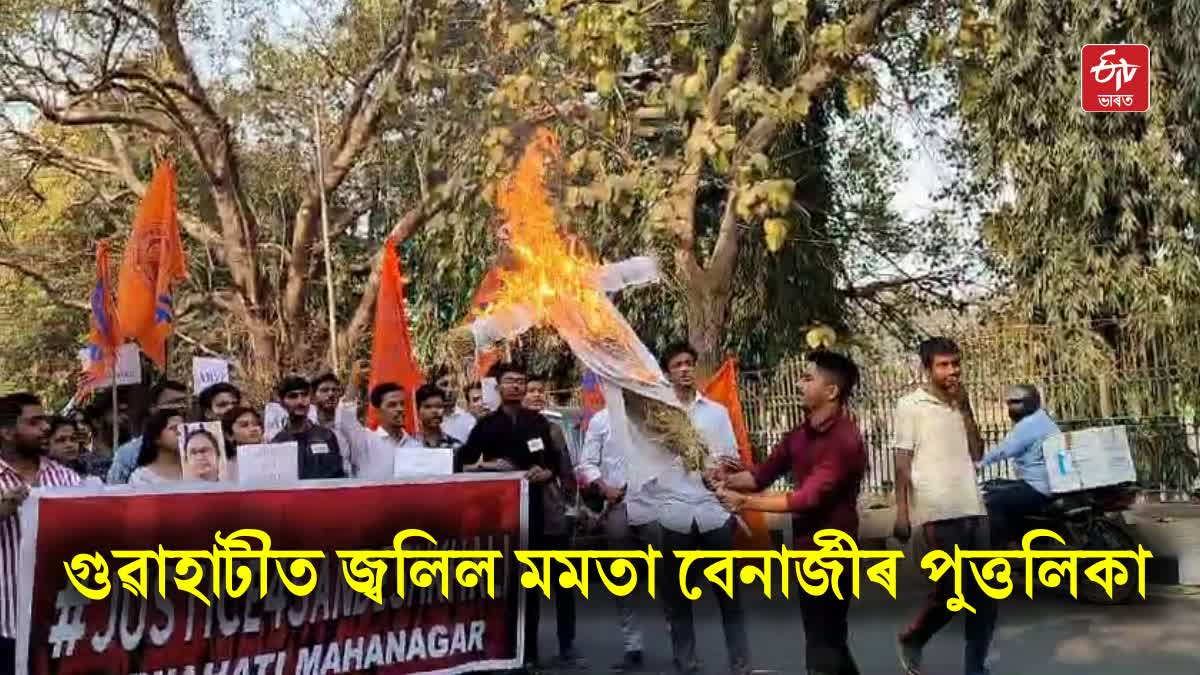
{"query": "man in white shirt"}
(373, 453)
(23, 429)
(628, 517)
(456, 422)
(693, 520)
(937, 444)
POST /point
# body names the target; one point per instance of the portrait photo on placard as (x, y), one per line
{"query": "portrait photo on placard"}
(202, 452)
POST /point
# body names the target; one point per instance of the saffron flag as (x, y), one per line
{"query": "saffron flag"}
(723, 388)
(153, 261)
(392, 357)
(105, 337)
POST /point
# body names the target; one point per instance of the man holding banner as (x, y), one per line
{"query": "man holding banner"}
(320, 454)
(515, 438)
(374, 453)
(23, 428)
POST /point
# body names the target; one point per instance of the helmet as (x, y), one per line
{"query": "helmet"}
(1023, 400)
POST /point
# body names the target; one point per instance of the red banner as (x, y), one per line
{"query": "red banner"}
(333, 629)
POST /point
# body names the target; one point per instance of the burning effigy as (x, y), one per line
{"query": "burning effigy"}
(549, 278)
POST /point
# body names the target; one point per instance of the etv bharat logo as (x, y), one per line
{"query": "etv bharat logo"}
(1115, 78)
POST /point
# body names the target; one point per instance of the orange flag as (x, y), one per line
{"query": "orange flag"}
(723, 389)
(105, 337)
(153, 261)
(392, 357)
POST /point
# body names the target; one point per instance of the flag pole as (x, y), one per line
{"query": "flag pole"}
(332, 297)
(116, 425)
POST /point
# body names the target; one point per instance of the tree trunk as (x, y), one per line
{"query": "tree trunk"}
(707, 294)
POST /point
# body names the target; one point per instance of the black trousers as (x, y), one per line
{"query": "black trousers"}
(8, 655)
(826, 634)
(1007, 509)
(679, 609)
(564, 603)
(970, 534)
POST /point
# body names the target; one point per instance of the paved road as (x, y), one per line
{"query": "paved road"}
(1050, 635)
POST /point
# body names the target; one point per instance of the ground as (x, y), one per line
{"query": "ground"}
(1049, 635)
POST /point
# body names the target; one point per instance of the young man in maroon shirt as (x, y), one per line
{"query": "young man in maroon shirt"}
(827, 460)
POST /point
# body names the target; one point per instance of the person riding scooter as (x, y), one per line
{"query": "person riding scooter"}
(1023, 444)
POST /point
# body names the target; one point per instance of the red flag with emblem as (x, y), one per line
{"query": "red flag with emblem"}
(152, 263)
(392, 357)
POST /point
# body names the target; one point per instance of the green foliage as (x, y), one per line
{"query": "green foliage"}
(1095, 214)
(810, 208)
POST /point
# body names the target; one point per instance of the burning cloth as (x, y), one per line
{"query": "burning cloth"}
(550, 279)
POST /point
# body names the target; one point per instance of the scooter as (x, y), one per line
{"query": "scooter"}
(1090, 520)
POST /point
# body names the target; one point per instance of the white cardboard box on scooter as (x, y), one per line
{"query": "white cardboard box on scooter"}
(1089, 458)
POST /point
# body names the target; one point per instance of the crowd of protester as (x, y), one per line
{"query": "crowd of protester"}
(678, 510)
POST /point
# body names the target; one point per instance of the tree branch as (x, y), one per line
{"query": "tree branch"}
(213, 147)
(861, 33)
(356, 132)
(876, 288)
(343, 222)
(166, 11)
(54, 294)
(402, 230)
(123, 162)
(197, 344)
(682, 202)
(74, 117)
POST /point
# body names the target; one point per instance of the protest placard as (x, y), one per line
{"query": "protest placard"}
(208, 371)
(129, 365)
(417, 461)
(277, 463)
(202, 451)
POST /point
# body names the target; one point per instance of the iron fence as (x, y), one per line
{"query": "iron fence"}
(1140, 373)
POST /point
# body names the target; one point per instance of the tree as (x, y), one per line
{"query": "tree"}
(1095, 215)
(128, 74)
(707, 140)
(40, 328)
(738, 152)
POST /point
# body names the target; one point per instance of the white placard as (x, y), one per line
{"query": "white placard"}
(418, 461)
(491, 393)
(268, 463)
(274, 419)
(129, 364)
(202, 451)
(208, 371)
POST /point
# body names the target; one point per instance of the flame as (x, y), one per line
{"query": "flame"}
(548, 270)
(554, 277)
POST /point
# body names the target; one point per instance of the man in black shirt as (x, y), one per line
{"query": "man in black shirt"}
(515, 438)
(320, 455)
